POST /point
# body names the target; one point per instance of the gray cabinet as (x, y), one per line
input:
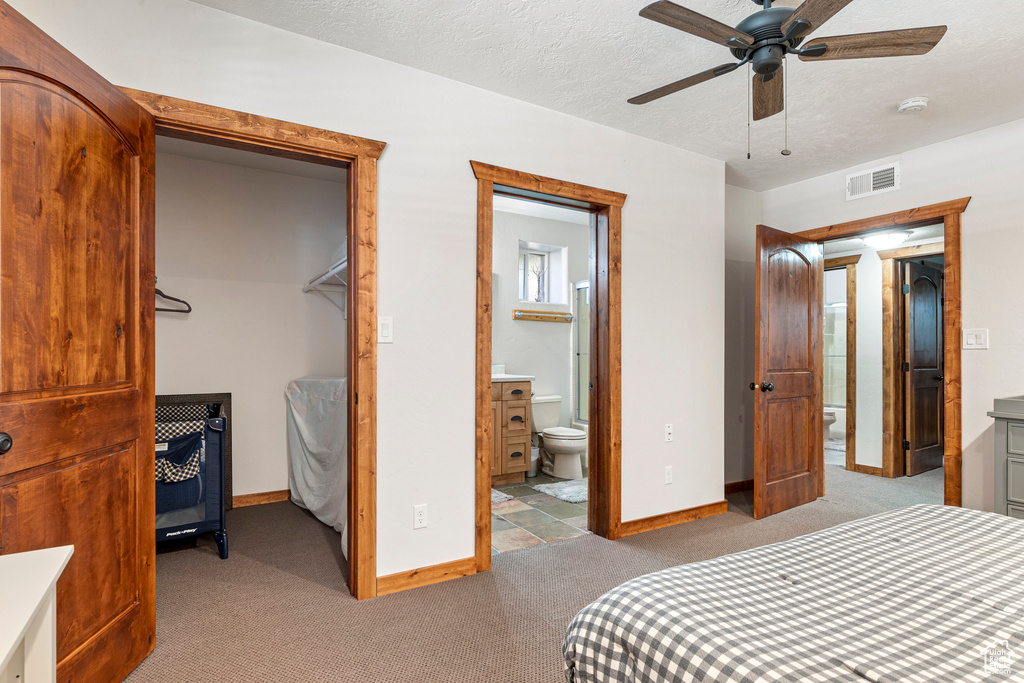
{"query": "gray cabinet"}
(1009, 456)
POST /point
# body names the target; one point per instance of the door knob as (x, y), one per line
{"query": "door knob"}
(753, 386)
(940, 377)
(767, 386)
(5, 442)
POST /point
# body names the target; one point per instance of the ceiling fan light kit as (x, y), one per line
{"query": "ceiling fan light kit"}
(765, 38)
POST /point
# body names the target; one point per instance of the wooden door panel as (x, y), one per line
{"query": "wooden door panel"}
(63, 298)
(89, 499)
(787, 433)
(76, 344)
(923, 420)
(789, 412)
(59, 428)
(789, 317)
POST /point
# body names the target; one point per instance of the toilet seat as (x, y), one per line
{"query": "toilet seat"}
(565, 433)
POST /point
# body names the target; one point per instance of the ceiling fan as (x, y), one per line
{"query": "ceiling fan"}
(765, 38)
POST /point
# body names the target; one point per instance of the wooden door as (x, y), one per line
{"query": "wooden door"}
(76, 347)
(789, 414)
(923, 428)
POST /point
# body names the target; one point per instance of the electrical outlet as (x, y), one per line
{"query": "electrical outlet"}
(668, 474)
(419, 516)
(668, 432)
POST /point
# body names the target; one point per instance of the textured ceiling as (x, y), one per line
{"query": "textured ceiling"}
(586, 57)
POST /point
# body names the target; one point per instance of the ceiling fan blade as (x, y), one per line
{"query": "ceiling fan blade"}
(813, 13)
(911, 41)
(769, 96)
(671, 14)
(683, 84)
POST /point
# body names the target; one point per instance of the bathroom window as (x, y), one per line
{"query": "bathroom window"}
(534, 275)
(543, 273)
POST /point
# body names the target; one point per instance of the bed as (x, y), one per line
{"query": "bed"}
(926, 593)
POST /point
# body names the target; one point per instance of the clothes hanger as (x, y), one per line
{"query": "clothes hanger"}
(187, 309)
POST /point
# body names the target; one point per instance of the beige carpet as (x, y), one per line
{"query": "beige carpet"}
(278, 609)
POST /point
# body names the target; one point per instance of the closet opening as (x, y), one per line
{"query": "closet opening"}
(196, 122)
(252, 347)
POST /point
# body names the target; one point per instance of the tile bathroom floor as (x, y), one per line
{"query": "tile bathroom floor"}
(531, 518)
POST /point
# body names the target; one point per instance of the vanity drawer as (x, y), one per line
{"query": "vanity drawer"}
(516, 454)
(515, 391)
(515, 419)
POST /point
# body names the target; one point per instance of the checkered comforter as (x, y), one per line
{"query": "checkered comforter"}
(923, 594)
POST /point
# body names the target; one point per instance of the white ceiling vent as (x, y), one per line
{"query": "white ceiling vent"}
(874, 181)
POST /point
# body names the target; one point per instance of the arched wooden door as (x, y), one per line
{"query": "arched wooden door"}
(789, 413)
(76, 349)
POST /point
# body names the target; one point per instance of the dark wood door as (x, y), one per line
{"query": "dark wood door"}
(923, 367)
(789, 415)
(76, 348)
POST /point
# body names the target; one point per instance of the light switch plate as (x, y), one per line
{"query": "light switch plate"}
(976, 339)
(385, 330)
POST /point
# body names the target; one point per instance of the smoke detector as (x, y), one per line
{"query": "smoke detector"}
(912, 105)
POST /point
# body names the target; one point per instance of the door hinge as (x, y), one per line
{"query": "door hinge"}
(906, 289)
(906, 366)
(357, 399)
(906, 445)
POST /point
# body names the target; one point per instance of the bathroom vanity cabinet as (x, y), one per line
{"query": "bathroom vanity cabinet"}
(510, 415)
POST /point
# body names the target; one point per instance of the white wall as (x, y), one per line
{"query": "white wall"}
(238, 244)
(989, 166)
(742, 214)
(672, 246)
(541, 349)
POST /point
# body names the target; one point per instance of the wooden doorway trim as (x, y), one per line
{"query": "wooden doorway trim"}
(604, 507)
(849, 263)
(892, 349)
(214, 125)
(948, 214)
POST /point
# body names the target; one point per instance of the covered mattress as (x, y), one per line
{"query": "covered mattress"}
(926, 593)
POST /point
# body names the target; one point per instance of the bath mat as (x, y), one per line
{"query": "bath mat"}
(571, 491)
(499, 497)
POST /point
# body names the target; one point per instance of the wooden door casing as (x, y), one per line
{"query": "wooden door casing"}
(789, 412)
(923, 351)
(76, 349)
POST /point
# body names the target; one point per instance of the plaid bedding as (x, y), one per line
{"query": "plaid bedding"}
(923, 594)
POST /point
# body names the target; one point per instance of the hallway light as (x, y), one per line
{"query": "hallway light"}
(886, 241)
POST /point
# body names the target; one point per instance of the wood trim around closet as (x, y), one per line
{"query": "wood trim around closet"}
(604, 508)
(948, 214)
(238, 130)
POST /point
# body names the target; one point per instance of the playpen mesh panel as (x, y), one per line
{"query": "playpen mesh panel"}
(169, 430)
(184, 412)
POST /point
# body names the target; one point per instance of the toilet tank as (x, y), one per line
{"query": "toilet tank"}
(545, 412)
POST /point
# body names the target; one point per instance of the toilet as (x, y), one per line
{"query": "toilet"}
(830, 419)
(561, 448)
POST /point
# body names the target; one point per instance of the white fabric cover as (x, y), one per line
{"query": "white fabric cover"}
(317, 436)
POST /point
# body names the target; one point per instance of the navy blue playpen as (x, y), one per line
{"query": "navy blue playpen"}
(190, 468)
